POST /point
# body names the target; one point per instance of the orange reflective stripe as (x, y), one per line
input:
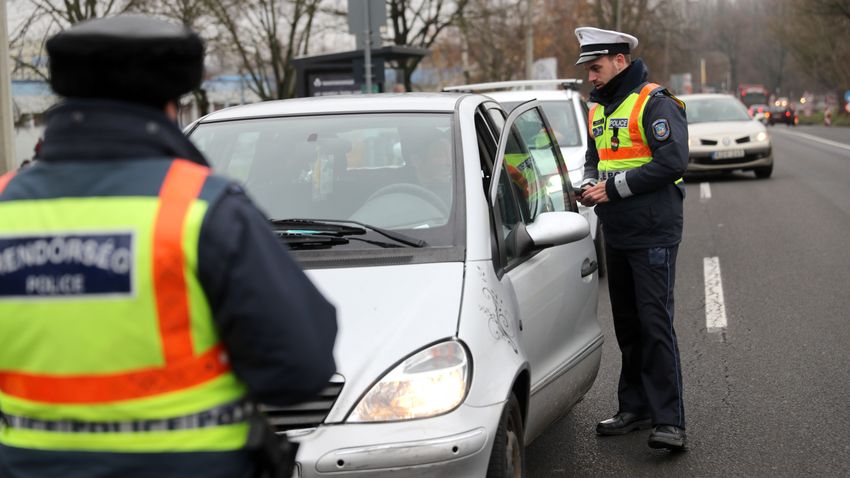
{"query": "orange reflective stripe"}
(590, 117)
(633, 152)
(634, 127)
(4, 180)
(181, 186)
(82, 389)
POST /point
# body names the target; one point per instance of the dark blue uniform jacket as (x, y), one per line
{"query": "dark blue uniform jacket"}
(278, 329)
(652, 216)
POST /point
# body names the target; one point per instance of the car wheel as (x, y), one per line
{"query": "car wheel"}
(764, 172)
(507, 460)
(599, 244)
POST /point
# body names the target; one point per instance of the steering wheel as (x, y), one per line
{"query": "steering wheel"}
(414, 190)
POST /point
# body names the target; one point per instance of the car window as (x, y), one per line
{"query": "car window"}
(707, 110)
(394, 171)
(510, 217)
(534, 166)
(562, 118)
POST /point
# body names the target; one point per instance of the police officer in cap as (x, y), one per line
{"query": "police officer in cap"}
(145, 304)
(633, 175)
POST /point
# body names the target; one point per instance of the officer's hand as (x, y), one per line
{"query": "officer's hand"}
(594, 195)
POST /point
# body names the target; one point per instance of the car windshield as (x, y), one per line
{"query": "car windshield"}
(391, 171)
(562, 119)
(707, 110)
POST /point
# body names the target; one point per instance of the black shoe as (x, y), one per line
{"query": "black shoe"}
(623, 423)
(669, 437)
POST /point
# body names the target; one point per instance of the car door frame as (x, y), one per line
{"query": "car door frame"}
(560, 374)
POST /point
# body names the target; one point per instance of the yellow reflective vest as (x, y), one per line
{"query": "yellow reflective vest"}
(108, 339)
(620, 137)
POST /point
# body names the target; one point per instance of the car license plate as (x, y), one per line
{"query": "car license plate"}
(730, 154)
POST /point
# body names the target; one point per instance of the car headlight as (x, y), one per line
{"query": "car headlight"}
(428, 383)
(761, 136)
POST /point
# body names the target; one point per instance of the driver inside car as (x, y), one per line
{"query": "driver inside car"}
(433, 166)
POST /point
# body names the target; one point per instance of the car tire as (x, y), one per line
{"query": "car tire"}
(599, 244)
(763, 172)
(507, 459)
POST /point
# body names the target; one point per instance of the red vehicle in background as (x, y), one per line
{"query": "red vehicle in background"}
(750, 94)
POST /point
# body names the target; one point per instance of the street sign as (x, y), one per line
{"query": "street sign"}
(847, 107)
(545, 69)
(358, 24)
(847, 96)
(330, 84)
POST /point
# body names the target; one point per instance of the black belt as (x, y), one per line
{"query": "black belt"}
(231, 413)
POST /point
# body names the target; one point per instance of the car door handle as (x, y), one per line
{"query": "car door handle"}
(589, 266)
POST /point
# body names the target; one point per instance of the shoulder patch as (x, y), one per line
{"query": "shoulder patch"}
(661, 129)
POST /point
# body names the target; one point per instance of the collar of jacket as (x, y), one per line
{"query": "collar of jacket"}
(94, 129)
(615, 91)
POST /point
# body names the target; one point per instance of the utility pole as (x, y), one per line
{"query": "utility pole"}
(7, 128)
(619, 14)
(529, 39)
(367, 49)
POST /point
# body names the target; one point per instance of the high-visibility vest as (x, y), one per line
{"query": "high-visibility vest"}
(523, 173)
(620, 137)
(108, 340)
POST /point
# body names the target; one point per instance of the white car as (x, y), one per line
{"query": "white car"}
(566, 112)
(465, 286)
(722, 136)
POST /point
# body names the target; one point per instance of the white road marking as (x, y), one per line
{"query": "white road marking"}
(819, 139)
(715, 308)
(704, 191)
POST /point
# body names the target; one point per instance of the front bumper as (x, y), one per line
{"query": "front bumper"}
(702, 160)
(455, 444)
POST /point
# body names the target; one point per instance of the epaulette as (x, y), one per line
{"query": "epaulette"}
(666, 92)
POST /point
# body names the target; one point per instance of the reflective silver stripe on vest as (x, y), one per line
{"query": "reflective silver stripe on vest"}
(228, 414)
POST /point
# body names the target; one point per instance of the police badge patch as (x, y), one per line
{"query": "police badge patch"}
(618, 123)
(597, 131)
(661, 129)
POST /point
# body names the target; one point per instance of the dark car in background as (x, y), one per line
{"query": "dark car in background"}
(782, 115)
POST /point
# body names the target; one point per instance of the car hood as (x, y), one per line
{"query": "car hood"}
(720, 128)
(384, 314)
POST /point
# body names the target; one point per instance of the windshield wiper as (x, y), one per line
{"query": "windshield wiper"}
(328, 227)
(311, 241)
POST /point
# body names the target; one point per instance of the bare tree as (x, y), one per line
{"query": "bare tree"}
(490, 31)
(193, 15)
(420, 23)
(47, 18)
(816, 31)
(266, 35)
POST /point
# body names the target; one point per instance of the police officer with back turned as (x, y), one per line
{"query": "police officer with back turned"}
(633, 175)
(145, 304)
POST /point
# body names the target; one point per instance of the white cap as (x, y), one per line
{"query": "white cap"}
(596, 42)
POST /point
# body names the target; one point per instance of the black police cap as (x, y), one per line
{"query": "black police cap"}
(126, 57)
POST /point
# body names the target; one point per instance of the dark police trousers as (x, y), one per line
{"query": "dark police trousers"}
(640, 283)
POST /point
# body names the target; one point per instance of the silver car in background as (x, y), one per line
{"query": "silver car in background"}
(465, 285)
(722, 137)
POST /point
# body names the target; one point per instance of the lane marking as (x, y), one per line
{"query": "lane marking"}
(704, 191)
(715, 307)
(818, 139)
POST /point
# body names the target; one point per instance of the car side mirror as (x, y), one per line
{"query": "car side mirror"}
(557, 228)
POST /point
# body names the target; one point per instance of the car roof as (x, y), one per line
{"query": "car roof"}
(525, 95)
(704, 96)
(384, 102)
